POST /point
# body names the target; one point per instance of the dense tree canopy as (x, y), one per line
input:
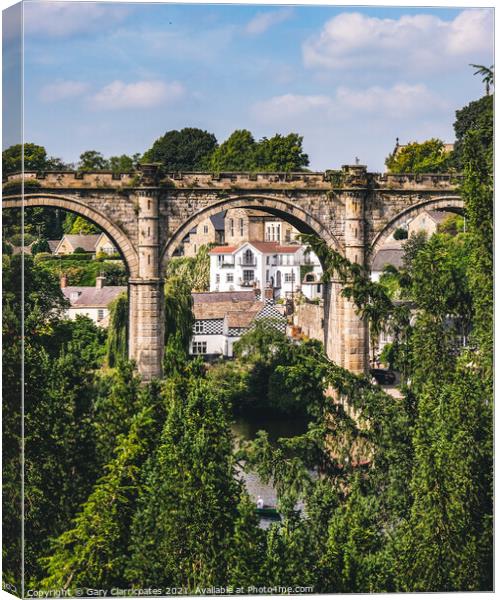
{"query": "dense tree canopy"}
(35, 159)
(186, 150)
(426, 157)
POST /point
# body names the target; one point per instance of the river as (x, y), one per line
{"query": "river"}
(246, 428)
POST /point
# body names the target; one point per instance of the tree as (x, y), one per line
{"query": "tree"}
(281, 153)
(186, 150)
(94, 552)
(476, 116)
(237, 153)
(123, 163)
(179, 318)
(35, 158)
(40, 245)
(426, 157)
(80, 225)
(117, 342)
(182, 531)
(91, 160)
(487, 75)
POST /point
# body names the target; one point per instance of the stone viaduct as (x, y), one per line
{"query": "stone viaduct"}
(147, 216)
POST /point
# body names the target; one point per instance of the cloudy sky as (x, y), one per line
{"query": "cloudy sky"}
(114, 77)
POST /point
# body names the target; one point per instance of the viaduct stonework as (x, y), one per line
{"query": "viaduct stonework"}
(148, 215)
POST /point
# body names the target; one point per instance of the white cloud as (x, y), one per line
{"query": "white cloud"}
(263, 21)
(141, 94)
(61, 90)
(399, 101)
(416, 42)
(289, 105)
(61, 19)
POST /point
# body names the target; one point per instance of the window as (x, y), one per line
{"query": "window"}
(278, 233)
(231, 227)
(100, 314)
(267, 274)
(217, 278)
(248, 258)
(247, 276)
(318, 289)
(199, 327)
(199, 347)
(230, 278)
(205, 228)
(268, 260)
(289, 277)
(241, 227)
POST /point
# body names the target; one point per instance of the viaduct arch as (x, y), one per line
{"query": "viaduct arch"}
(352, 210)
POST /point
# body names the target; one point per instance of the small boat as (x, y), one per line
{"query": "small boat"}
(268, 512)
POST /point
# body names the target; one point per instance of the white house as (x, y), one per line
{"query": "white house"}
(92, 302)
(260, 265)
(221, 318)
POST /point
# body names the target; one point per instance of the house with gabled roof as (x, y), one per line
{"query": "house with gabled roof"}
(221, 318)
(260, 266)
(94, 242)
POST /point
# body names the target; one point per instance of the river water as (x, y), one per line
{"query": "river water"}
(246, 428)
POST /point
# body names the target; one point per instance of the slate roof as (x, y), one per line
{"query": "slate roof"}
(218, 220)
(87, 242)
(388, 256)
(93, 297)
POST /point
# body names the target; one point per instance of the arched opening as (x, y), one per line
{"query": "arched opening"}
(452, 204)
(267, 262)
(94, 261)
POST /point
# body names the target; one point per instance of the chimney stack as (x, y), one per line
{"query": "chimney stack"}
(99, 282)
(64, 281)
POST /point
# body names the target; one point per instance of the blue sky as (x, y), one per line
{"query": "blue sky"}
(114, 77)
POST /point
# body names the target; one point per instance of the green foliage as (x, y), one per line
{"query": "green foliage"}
(194, 271)
(281, 153)
(487, 75)
(91, 160)
(82, 226)
(477, 191)
(186, 150)
(17, 186)
(240, 152)
(428, 157)
(117, 342)
(123, 163)
(401, 234)
(182, 530)
(93, 553)
(179, 318)
(452, 225)
(237, 153)
(40, 245)
(81, 269)
(477, 116)
(35, 158)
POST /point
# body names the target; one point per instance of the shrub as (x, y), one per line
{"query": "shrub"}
(401, 234)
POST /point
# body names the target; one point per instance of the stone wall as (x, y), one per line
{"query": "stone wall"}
(310, 319)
